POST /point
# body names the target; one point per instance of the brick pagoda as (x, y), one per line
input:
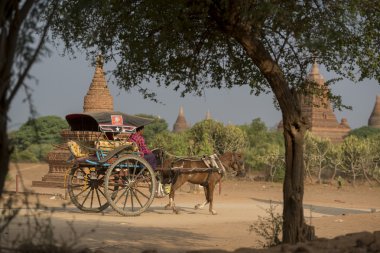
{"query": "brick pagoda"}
(97, 99)
(323, 122)
(374, 119)
(180, 125)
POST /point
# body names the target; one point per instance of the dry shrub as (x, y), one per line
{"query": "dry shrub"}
(268, 228)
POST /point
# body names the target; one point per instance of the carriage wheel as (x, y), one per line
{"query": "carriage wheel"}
(85, 186)
(130, 185)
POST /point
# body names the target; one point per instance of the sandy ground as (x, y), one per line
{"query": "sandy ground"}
(332, 211)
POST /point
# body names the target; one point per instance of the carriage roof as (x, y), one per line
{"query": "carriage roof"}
(116, 122)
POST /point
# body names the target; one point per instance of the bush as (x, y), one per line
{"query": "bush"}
(268, 228)
(36, 138)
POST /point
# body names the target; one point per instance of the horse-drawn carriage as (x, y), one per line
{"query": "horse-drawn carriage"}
(109, 171)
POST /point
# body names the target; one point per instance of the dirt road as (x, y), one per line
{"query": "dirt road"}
(332, 211)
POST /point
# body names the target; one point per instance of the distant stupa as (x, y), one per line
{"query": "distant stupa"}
(98, 98)
(180, 125)
(374, 119)
(208, 115)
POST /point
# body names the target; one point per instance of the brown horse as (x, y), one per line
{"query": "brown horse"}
(206, 171)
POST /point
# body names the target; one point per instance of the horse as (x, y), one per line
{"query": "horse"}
(205, 171)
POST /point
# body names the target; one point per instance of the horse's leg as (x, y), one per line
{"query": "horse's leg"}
(178, 183)
(201, 206)
(211, 188)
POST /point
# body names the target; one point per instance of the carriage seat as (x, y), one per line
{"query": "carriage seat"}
(77, 150)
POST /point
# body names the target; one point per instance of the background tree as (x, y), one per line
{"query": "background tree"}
(275, 163)
(175, 143)
(335, 160)
(210, 136)
(36, 138)
(261, 142)
(23, 30)
(157, 126)
(316, 149)
(365, 132)
(267, 45)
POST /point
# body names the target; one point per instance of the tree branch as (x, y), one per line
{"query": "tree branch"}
(22, 77)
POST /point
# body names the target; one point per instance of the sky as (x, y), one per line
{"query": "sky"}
(62, 83)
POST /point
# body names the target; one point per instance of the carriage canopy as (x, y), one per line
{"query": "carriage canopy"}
(115, 122)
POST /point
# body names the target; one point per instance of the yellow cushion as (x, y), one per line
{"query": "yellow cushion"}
(77, 150)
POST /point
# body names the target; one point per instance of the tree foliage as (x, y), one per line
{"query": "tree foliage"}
(210, 136)
(157, 126)
(204, 138)
(264, 147)
(355, 159)
(175, 143)
(35, 138)
(365, 132)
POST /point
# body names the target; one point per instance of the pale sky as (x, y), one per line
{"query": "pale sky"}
(63, 83)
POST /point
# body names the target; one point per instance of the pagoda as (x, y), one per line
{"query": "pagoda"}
(180, 124)
(208, 115)
(374, 119)
(322, 119)
(97, 99)
(320, 115)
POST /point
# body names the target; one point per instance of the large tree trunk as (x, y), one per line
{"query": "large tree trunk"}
(294, 227)
(4, 144)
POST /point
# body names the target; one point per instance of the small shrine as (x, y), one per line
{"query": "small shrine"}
(180, 124)
(97, 99)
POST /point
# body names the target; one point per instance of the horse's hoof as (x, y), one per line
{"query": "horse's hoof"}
(167, 207)
(198, 206)
(175, 211)
(213, 212)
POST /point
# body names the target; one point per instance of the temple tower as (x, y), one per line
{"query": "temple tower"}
(318, 110)
(180, 124)
(374, 119)
(208, 115)
(98, 98)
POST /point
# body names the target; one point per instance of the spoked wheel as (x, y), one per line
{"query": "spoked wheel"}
(130, 185)
(85, 186)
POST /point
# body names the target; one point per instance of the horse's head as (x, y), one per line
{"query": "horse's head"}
(234, 162)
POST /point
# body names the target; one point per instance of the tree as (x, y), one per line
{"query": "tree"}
(193, 45)
(335, 159)
(22, 39)
(37, 137)
(175, 143)
(157, 126)
(316, 149)
(262, 142)
(365, 132)
(210, 136)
